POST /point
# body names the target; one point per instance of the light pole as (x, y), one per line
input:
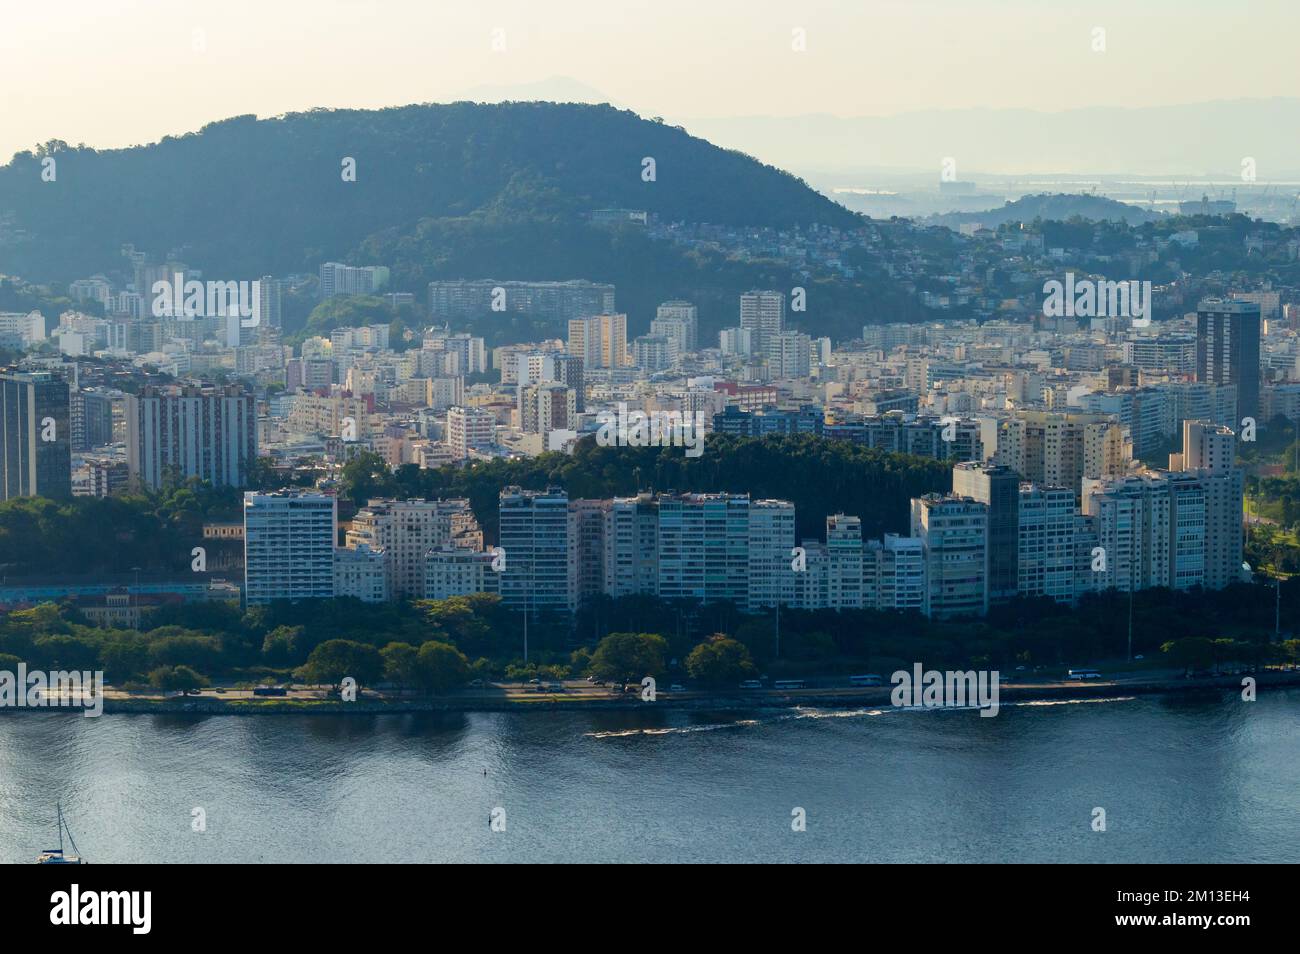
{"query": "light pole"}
(1130, 610)
(1130, 623)
(778, 628)
(1277, 610)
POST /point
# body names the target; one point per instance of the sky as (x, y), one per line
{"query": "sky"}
(118, 72)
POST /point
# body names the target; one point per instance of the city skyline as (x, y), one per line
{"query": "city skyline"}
(651, 433)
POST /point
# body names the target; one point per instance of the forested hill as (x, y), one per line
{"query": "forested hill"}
(245, 197)
(1059, 207)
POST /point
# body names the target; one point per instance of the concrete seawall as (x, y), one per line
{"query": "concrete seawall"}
(875, 697)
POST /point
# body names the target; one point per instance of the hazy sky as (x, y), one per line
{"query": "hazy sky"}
(117, 72)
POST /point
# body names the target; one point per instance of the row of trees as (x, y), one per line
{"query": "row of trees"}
(819, 475)
(434, 644)
(154, 531)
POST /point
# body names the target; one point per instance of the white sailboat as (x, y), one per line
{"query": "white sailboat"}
(55, 856)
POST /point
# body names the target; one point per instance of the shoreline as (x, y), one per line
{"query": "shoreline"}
(873, 697)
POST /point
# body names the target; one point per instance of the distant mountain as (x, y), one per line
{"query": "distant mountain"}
(1060, 207)
(246, 197)
(1193, 139)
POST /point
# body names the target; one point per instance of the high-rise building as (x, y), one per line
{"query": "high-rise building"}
(35, 428)
(894, 574)
(789, 354)
(339, 279)
(546, 407)
(406, 530)
(587, 521)
(653, 353)
(999, 488)
(1209, 452)
(632, 545)
(289, 542)
(454, 571)
(1136, 522)
(20, 330)
(270, 292)
(954, 537)
(547, 301)
(763, 313)
(361, 573)
(704, 547)
(843, 562)
(567, 369)
(771, 540)
(204, 432)
(469, 351)
(1045, 552)
(91, 418)
(534, 533)
(469, 428)
(1227, 349)
(678, 320)
(737, 341)
(600, 341)
(1060, 449)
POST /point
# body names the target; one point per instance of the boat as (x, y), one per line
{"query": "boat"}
(55, 856)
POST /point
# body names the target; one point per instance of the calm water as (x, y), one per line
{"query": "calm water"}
(1207, 779)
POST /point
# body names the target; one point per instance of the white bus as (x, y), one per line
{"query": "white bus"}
(1084, 674)
(788, 684)
(866, 681)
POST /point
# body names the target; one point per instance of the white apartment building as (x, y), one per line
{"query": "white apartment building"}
(704, 547)
(339, 279)
(406, 530)
(361, 573)
(534, 533)
(954, 536)
(771, 540)
(289, 542)
(454, 571)
(469, 428)
(680, 320)
(893, 574)
(844, 559)
(1046, 557)
(789, 355)
(632, 545)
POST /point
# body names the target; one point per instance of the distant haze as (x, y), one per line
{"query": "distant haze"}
(130, 72)
(1201, 139)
